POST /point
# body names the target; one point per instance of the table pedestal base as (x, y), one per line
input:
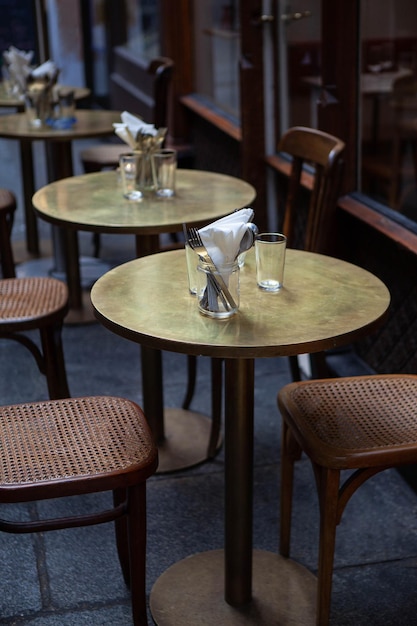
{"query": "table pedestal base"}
(187, 436)
(192, 592)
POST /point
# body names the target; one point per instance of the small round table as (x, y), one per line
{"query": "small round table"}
(58, 144)
(95, 203)
(12, 101)
(324, 303)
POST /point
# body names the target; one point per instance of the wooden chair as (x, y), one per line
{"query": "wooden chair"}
(154, 89)
(32, 304)
(386, 168)
(69, 447)
(343, 424)
(308, 223)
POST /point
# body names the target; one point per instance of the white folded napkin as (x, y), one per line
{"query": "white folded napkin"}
(222, 238)
(18, 66)
(137, 134)
(47, 71)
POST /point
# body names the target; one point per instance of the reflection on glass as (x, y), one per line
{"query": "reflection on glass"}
(217, 48)
(389, 103)
(143, 28)
(300, 66)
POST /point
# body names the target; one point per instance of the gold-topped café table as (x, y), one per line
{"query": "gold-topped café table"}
(95, 203)
(58, 145)
(324, 303)
(17, 128)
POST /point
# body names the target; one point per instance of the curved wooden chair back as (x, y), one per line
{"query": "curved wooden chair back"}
(152, 96)
(323, 154)
(317, 163)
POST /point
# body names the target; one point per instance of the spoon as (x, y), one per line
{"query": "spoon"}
(248, 238)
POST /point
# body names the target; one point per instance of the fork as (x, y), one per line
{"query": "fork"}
(196, 243)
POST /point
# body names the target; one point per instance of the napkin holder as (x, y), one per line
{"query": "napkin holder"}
(39, 100)
(145, 147)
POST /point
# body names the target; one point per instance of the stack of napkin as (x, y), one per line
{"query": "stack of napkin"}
(47, 72)
(139, 135)
(17, 65)
(223, 238)
(42, 78)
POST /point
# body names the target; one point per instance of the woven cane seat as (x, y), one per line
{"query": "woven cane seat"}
(74, 446)
(364, 423)
(26, 301)
(68, 440)
(32, 303)
(359, 421)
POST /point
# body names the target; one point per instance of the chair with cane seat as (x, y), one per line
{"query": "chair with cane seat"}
(32, 304)
(307, 224)
(316, 162)
(343, 424)
(75, 446)
(153, 107)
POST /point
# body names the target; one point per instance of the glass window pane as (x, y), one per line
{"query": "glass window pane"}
(143, 28)
(217, 45)
(389, 103)
(299, 37)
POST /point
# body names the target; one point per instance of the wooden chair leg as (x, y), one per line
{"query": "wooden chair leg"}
(290, 452)
(137, 551)
(295, 369)
(122, 537)
(318, 365)
(96, 240)
(7, 258)
(328, 487)
(192, 375)
(51, 338)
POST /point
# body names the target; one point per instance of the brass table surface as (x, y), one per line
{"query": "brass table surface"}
(95, 202)
(324, 303)
(90, 123)
(14, 102)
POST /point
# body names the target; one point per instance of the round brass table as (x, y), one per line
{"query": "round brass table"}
(95, 202)
(58, 144)
(324, 303)
(9, 100)
(12, 127)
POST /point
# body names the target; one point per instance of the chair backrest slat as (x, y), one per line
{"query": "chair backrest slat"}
(323, 152)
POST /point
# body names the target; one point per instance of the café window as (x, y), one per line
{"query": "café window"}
(217, 46)
(142, 28)
(388, 85)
